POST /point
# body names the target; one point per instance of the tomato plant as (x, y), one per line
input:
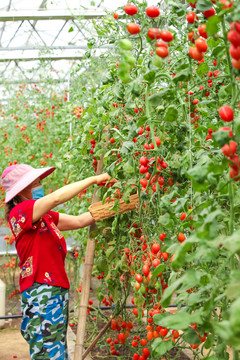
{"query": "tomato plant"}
(164, 91)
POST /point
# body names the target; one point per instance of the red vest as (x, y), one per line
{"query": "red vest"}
(41, 247)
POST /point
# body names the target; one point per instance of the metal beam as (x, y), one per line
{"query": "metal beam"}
(33, 81)
(42, 57)
(38, 48)
(49, 14)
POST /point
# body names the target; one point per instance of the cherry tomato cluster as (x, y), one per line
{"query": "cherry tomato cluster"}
(200, 46)
(14, 293)
(153, 33)
(11, 264)
(124, 329)
(99, 277)
(234, 38)
(229, 150)
(77, 111)
(9, 239)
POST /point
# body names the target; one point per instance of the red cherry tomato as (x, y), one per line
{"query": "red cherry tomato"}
(202, 32)
(133, 28)
(153, 33)
(226, 113)
(191, 17)
(130, 9)
(152, 11)
(209, 13)
(162, 52)
(201, 45)
(166, 35)
(195, 53)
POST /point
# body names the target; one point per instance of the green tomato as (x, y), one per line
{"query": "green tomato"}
(142, 289)
(157, 61)
(124, 69)
(130, 59)
(157, 285)
(125, 44)
(125, 78)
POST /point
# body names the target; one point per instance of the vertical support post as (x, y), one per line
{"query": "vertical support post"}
(87, 273)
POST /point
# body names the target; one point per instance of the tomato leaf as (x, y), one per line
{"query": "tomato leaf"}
(203, 5)
(160, 347)
(101, 264)
(209, 343)
(181, 320)
(191, 337)
(180, 255)
(202, 69)
(171, 113)
(212, 25)
(128, 169)
(212, 357)
(119, 133)
(158, 317)
(150, 76)
(164, 219)
(198, 174)
(142, 120)
(158, 271)
(181, 76)
(136, 88)
(166, 298)
(231, 243)
(218, 51)
(188, 278)
(127, 146)
(233, 289)
(110, 252)
(179, 204)
(114, 224)
(155, 99)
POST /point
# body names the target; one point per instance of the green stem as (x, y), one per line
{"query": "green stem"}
(231, 224)
(235, 355)
(141, 47)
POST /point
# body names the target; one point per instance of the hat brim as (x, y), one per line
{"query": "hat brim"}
(27, 180)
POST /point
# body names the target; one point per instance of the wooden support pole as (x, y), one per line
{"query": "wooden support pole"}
(87, 273)
(82, 317)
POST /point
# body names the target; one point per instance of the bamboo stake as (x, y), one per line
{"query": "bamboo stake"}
(87, 273)
(82, 317)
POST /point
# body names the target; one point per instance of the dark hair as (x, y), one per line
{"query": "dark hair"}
(10, 205)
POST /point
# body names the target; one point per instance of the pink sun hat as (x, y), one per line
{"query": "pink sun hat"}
(17, 177)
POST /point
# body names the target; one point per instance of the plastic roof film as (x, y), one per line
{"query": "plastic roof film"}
(47, 31)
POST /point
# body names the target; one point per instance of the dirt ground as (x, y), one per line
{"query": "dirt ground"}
(12, 344)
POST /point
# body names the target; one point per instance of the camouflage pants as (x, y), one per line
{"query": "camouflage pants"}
(45, 321)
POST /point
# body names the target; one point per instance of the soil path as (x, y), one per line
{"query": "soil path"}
(13, 346)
